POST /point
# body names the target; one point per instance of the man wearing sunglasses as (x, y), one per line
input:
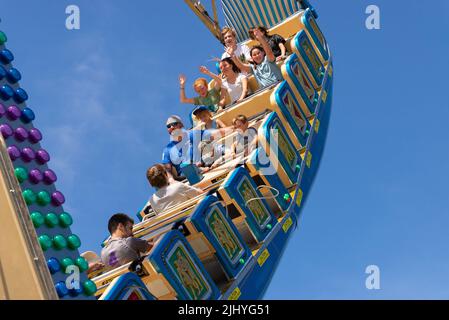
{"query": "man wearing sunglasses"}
(179, 149)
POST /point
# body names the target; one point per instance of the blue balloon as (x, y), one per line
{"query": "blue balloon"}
(14, 75)
(76, 292)
(27, 115)
(53, 265)
(2, 72)
(6, 92)
(20, 95)
(6, 56)
(61, 289)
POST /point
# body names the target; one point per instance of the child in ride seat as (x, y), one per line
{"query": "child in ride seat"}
(246, 139)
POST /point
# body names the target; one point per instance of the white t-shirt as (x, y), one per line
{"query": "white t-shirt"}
(234, 89)
(173, 194)
(241, 52)
(244, 141)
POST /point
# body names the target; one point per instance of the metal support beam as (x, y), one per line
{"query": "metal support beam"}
(211, 23)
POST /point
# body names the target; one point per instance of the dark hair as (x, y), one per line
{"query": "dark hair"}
(254, 48)
(116, 219)
(261, 28)
(232, 63)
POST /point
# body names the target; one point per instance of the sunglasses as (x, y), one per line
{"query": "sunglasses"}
(171, 125)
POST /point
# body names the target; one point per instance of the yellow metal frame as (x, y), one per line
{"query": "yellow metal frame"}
(23, 271)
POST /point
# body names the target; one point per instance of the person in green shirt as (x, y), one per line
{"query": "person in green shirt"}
(212, 99)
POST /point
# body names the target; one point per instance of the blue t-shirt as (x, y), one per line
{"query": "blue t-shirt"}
(267, 73)
(184, 151)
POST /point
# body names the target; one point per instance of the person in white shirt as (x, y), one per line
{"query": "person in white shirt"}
(169, 193)
(230, 41)
(234, 82)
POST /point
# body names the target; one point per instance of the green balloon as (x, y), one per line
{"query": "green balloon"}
(89, 288)
(37, 218)
(65, 220)
(59, 242)
(73, 242)
(65, 263)
(43, 198)
(21, 174)
(45, 242)
(29, 196)
(82, 264)
(3, 38)
(51, 220)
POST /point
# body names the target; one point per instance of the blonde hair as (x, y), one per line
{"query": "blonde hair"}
(225, 30)
(157, 176)
(241, 118)
(200, 81)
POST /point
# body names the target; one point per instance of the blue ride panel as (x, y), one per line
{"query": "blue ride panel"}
(174, 258)
(255, 283)
(210, 218)
(315, 32)
(305, 49)
(267, 172)
(316, 145)
(281, 145)
(300, 80)
(127, 287)
(291, 109)
(241, 188)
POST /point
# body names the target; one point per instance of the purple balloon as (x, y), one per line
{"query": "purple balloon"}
(21, 134)
(57, 198)
(13, 113)
(35, 135)
(50, 177)
(28, 154)
(35, 176)
(2, 110)
(42, 156)
(14, 153)
(6, 130)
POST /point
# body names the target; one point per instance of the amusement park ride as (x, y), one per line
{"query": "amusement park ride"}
(224, 244)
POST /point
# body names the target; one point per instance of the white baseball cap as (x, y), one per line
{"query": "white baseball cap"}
(173, 119)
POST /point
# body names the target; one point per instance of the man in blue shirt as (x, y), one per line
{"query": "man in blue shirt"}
(182, 148)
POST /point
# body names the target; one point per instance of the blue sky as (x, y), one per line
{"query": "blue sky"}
(102, 94)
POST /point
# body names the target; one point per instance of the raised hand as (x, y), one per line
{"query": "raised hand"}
(280, 58)
(258, 34)
(230, 51)
(182, 80)
(204, 70)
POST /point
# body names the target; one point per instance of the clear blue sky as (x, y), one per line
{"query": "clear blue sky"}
(102, 94)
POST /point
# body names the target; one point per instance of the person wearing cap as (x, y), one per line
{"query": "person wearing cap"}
(209, 149)
(212, 98)
(184, 145)
(181, 148)
(203, 114)
(172, 155)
